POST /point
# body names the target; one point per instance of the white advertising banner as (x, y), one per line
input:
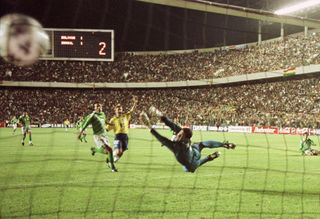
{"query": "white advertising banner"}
(240, 129)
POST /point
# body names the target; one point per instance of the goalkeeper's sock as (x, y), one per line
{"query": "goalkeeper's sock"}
(30, 138)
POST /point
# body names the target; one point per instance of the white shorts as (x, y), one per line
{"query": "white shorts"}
(100, 140)
(14, 126)
(25, 129)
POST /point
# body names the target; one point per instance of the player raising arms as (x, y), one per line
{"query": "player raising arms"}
(120, 125)
(25, 121)
(187, 154)
(98, 121)
(14, 122)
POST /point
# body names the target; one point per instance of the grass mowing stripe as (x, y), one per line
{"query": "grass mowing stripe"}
(59, 178)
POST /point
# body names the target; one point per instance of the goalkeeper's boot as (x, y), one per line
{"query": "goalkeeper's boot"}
(93, 151)
(30, 143)
(155, 111)
(228, 145)
(214, 155)
(22, 143)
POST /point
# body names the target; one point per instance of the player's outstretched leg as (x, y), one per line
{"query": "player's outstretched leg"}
(109, 159)
(216, 144)
(30, 139)
(228, 145)
(210, 157)
(24, 137)
(117, 153)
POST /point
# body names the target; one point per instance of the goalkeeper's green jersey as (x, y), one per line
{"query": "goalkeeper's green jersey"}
(25, 120)
(97, 120)
(306, 145)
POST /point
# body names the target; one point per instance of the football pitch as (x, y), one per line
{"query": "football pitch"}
(264, 177)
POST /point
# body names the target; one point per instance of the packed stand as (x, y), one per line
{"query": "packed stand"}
(290, 102)
(279, 54)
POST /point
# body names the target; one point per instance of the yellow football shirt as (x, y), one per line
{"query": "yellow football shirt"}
(120, 124)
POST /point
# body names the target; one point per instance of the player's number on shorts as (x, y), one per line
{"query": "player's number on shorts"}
(102, 51)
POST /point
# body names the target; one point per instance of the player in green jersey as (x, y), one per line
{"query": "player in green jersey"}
(14, 122)
(78, 127)
(25, 121)
(305, 146)
(98, 121)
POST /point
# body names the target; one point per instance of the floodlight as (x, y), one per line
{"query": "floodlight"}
(297, 7)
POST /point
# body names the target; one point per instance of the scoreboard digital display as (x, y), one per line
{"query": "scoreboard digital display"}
(83, 45)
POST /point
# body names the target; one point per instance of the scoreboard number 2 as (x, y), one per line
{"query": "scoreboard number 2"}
(102, 51)
(81, 44)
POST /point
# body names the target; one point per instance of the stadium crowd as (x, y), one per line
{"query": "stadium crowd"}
(294, 50)
(291, 102)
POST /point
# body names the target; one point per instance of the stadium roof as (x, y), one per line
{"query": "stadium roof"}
(143, 26)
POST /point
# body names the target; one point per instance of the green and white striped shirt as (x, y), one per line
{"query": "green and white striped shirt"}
(97, 120)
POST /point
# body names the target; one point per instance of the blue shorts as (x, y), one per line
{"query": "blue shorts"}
(121, 142)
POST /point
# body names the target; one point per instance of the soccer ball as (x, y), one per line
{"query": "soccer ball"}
(22, 39)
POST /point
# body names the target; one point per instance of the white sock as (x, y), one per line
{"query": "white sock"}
(115, 158)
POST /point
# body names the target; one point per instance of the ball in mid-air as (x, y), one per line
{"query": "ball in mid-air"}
(22, 39)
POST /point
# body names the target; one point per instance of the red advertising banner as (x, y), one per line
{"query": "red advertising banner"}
(265, 129)
(285, 130)
(296, 131)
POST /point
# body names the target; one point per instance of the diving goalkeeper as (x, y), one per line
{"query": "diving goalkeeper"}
(187, 154)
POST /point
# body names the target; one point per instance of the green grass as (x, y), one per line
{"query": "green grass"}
(265, 177)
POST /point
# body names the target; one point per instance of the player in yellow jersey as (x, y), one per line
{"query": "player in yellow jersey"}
(120, 126)
(66, 124)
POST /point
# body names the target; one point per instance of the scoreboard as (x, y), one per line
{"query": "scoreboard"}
(80, 44)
